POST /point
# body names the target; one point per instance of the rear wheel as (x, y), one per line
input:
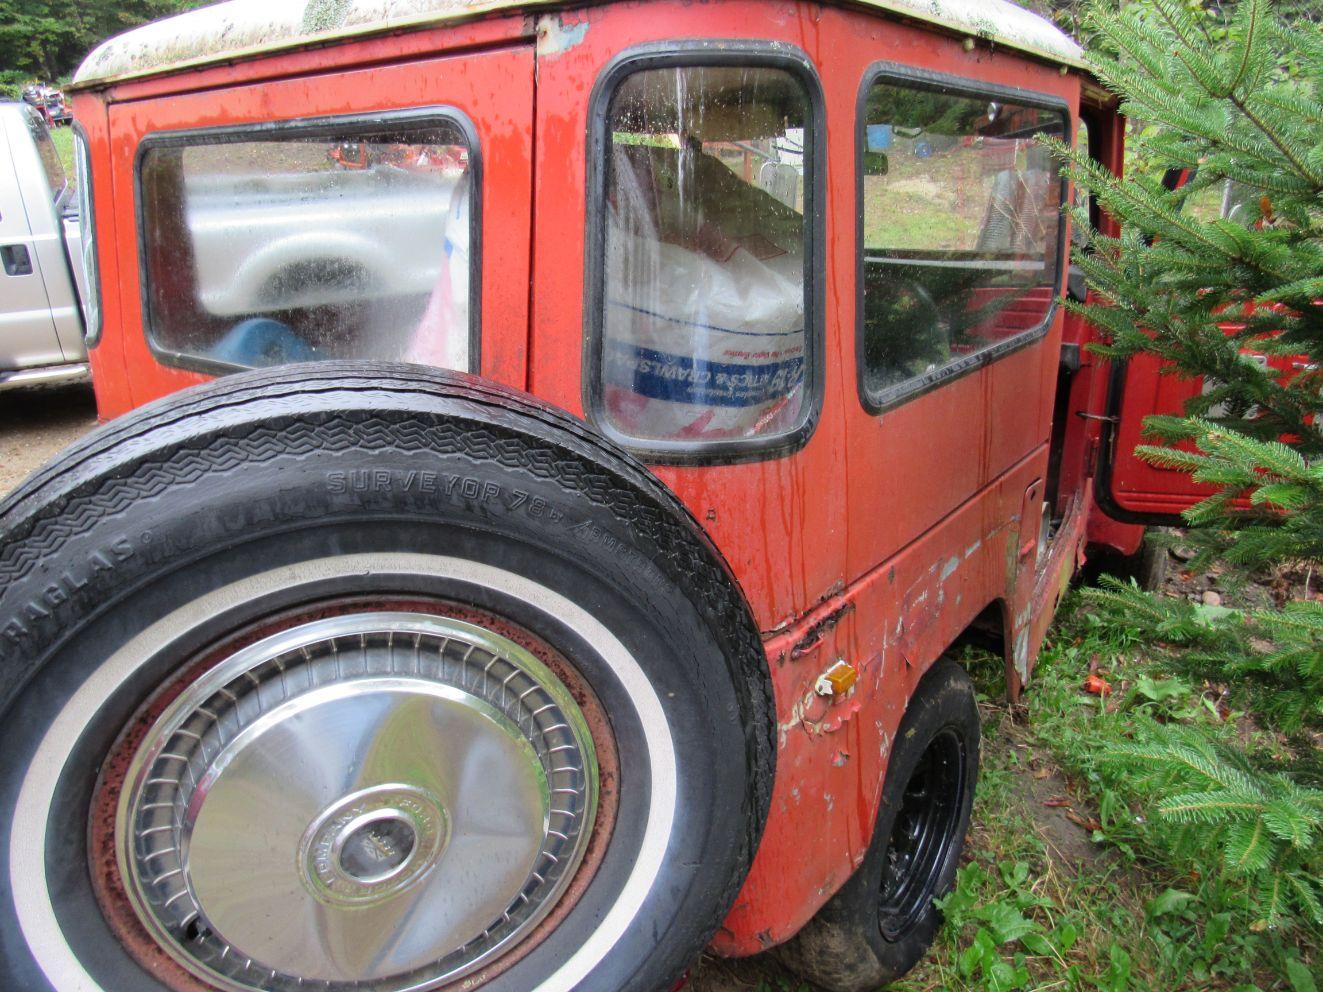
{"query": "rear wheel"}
(347, 677)
(883, 920)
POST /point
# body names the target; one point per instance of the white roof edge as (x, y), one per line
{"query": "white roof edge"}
(245, 28)
(999, 21)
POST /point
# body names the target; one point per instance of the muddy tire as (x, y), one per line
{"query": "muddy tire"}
(301, 662)
(883, 920)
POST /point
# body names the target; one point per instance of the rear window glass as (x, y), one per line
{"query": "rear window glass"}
(961, 220)
(50, 158)
(704, 267)
(300, 243)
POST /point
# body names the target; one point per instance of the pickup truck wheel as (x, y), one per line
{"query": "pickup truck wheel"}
(363, 677)
(883, 920)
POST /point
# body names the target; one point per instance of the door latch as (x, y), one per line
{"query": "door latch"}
(17, 261)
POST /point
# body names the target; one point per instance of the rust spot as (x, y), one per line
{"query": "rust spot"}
(817, 633)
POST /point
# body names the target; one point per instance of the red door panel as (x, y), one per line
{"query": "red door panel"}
(1132, 487)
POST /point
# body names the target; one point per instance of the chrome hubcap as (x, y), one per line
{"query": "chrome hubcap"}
(371, 844)
(379, 801)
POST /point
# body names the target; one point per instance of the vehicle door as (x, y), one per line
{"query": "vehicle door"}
(1130, 488)
(27, 329)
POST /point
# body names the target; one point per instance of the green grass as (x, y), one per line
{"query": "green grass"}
(63, 138)
(1048, 903)
(1097, 902)
(937, 204)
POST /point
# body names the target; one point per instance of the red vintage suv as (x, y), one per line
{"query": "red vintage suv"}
(556, 455)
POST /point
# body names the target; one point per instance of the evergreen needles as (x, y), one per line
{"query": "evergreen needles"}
(1206, 277)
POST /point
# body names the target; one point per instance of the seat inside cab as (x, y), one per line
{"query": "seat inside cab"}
(961, 220)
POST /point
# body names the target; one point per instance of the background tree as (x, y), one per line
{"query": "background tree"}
(46, 39)
(1228, 95)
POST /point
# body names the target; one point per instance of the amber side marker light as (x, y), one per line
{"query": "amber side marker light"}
(837, 680)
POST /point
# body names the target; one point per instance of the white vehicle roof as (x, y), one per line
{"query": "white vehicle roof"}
(244, 28)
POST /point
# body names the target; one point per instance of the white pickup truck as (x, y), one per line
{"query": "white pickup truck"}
(41, 271)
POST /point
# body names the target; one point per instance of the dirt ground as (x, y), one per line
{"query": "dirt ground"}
(35, 424)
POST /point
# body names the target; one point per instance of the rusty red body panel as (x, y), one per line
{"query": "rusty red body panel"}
(880, 541)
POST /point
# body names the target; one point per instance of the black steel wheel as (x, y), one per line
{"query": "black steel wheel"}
(883, 919)
(928, 828)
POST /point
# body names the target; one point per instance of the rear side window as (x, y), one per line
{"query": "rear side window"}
(705, 306)
(325, 239)
(961, 226)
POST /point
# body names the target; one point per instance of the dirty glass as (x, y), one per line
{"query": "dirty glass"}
(961, 220)
(292, 245)
(707, 177)
(50, 158)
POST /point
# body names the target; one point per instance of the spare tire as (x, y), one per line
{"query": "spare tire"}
(372, 677)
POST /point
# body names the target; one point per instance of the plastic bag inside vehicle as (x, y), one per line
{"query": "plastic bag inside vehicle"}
(302, 244)
(704, 264)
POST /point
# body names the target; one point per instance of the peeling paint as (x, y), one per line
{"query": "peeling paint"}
(813, 713)
(816, 634)
(555, 38)
(1021, 654)
(796, 718)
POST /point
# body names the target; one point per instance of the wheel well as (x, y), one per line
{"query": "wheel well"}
(987, 633)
